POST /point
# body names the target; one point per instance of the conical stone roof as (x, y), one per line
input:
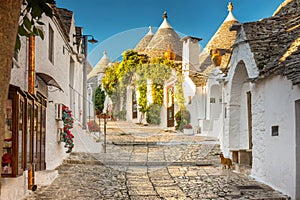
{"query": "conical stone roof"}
(99, 67)
(141, 46)
(164, 37)
(288, 7)
(222, 40)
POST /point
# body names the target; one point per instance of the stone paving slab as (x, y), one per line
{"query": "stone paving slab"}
(158, 165)
(93, 181)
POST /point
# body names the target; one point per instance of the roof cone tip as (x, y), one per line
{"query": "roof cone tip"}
(150, 31)
(230, 16)
(165, 23)
(230, 7)
(165, 16)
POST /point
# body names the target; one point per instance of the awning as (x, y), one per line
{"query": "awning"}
(48, 80)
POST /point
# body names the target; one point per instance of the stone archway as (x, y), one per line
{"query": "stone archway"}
(239, 110)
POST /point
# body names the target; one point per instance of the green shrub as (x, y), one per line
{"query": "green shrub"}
(153, 114)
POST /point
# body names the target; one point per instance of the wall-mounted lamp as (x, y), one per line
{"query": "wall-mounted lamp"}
(84, 93)
(92, 41)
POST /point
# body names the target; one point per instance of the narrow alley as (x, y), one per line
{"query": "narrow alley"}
(155, 165)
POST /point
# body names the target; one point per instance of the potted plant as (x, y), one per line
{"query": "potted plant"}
(182, 118)
(188, 129)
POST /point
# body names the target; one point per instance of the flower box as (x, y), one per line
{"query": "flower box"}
(188, 131)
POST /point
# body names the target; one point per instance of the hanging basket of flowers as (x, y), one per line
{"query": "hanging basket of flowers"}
(68, 124)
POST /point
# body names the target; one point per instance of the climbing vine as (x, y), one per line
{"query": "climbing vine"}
(137, 70)
(142, 100)
(158, 93)
(179, 91)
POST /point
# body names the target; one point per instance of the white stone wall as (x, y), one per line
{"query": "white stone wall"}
(241, 54)
(59, 70)
(195, 107)
(273, 104)
(19, 71)
(15, 188)
(274, 156)
(129, 104)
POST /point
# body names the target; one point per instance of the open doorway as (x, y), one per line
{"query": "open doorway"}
(297, 123)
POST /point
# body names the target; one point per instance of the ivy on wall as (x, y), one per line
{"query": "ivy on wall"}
(137, 70)
(179, 91)
(142, 100)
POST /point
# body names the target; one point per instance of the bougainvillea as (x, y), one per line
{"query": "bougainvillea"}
(68, 124)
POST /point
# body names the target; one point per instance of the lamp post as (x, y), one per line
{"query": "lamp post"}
(89, 100)
(85, 49)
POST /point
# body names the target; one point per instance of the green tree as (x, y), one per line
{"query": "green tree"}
(31, 15)
(99, 100)
(110, 80)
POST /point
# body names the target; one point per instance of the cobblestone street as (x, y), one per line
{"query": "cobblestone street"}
(157, 164)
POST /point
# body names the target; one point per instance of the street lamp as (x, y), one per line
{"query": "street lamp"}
(84, 93)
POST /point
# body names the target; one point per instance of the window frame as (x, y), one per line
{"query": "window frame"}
(51, 44)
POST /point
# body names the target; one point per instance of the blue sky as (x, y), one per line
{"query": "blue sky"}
(120, 24)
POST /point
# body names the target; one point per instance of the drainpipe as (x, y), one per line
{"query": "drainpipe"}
(31, 78)
(31, 65)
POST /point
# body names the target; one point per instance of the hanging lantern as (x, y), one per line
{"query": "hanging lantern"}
(216, 57)
(169, 54)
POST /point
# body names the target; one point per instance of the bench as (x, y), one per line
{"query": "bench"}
(242, 156)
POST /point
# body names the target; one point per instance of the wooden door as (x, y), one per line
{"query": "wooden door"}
(170, 106)
(134, 105)
(249, 109)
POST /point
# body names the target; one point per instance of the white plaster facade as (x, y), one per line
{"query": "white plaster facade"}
(273, 103)
(66, 70)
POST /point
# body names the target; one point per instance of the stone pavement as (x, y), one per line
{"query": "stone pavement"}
(148, 163)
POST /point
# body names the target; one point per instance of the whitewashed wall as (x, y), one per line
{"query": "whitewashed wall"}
(274, 158)
(273, 103)
(15, 188)
(59, 70)
(19, 71)
(241, 54)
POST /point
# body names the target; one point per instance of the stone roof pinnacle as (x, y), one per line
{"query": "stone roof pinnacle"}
(230, 7)
(230, 16)
(165, 23)
(150, 31)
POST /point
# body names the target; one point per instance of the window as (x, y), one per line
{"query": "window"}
(275, 130)
(37, 135)
(13, 147)
(24, 138)
(51, 44)
(41, 133)
(29, 134)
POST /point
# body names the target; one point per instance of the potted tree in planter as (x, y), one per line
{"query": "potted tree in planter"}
(183, 118)
(188, 129)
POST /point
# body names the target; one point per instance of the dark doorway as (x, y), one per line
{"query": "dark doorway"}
(170, 106)
(134, 105)
(297, 123)
(249, 110)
